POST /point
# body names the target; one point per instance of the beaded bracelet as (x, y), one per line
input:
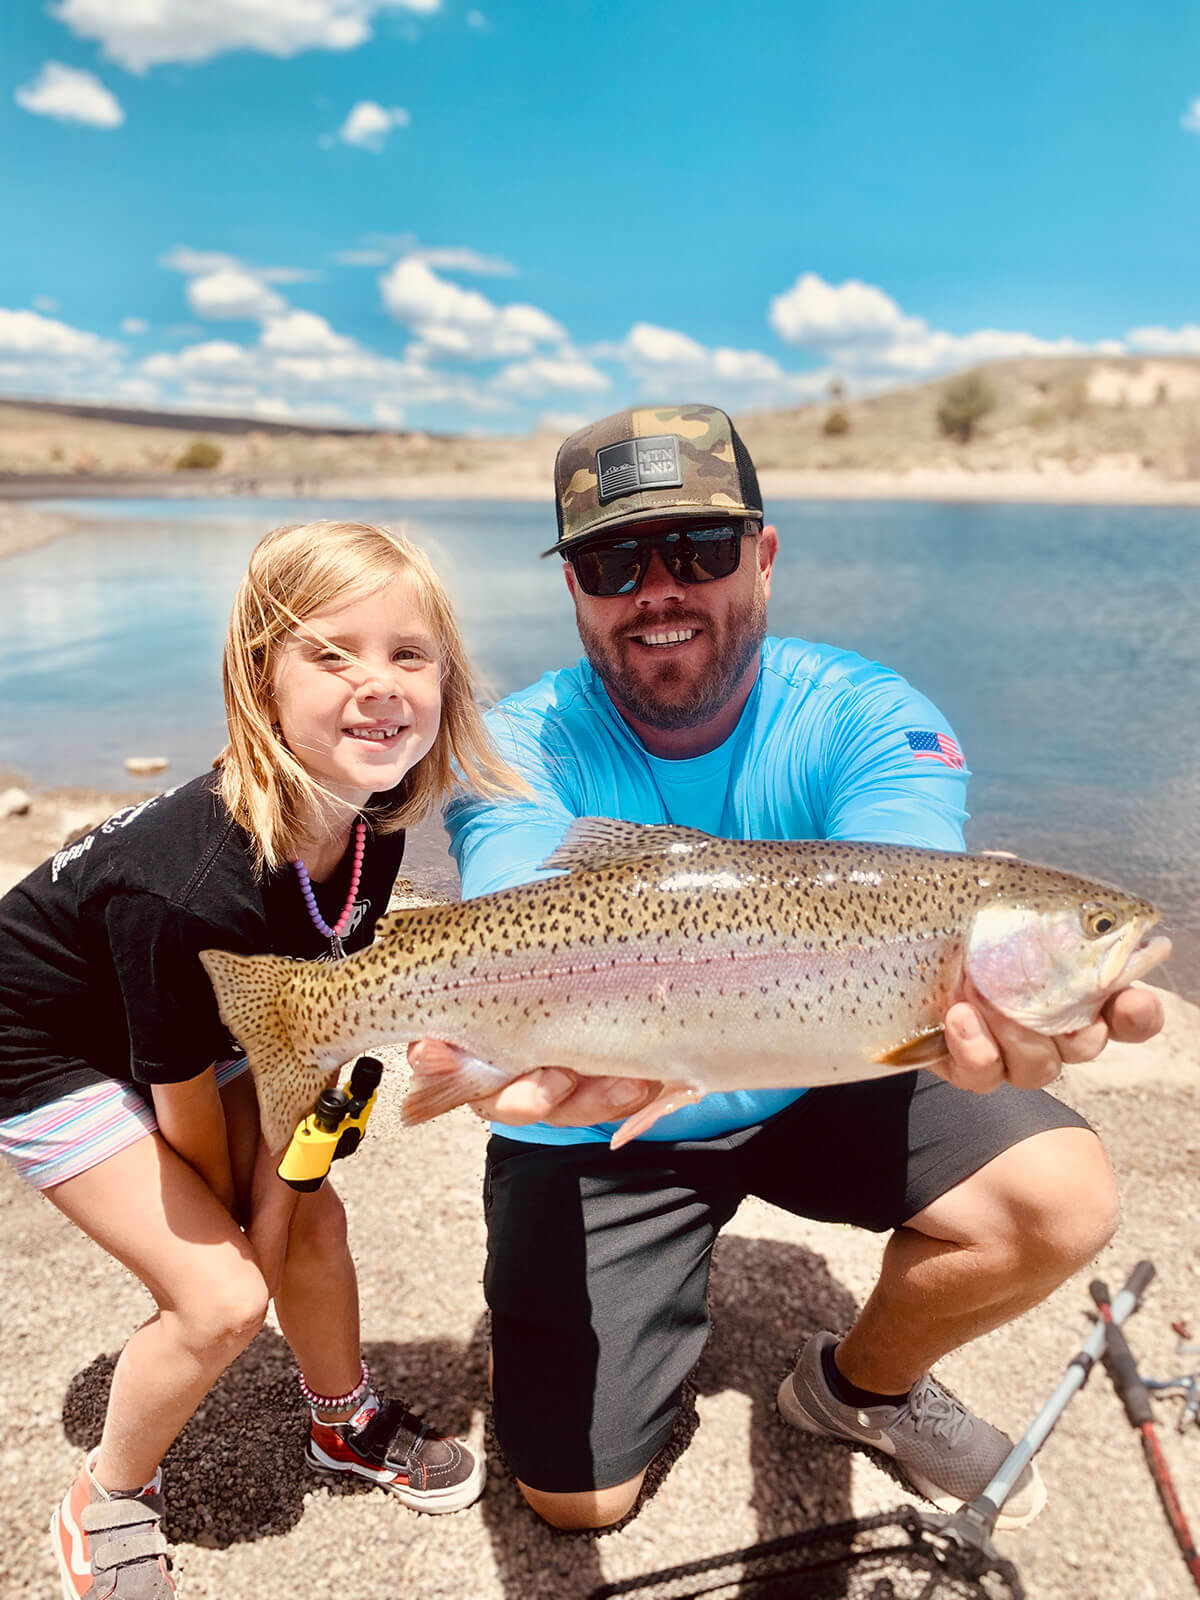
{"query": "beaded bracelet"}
(337, 1402)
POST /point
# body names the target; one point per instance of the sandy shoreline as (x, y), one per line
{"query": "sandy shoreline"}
(24, 523)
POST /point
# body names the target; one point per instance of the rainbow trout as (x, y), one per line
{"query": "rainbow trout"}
(707, 964)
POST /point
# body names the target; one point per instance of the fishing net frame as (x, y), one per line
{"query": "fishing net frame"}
(904, 1554)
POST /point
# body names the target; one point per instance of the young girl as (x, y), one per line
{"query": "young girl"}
(350, 710)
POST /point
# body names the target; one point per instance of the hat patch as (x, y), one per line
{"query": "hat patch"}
(639, 464)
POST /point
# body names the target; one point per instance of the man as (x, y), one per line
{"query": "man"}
(597, 1263)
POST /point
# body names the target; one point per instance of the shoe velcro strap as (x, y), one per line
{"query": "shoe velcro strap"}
(140, 1544)
(132, 1512)
(392, 1434)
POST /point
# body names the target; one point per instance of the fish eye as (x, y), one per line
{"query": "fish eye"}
(1097, 920)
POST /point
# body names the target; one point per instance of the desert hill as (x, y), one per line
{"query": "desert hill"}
(1131, 417)
(1081, 412)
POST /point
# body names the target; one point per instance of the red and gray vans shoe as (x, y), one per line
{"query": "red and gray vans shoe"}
(391, 1447)
(110, 1547)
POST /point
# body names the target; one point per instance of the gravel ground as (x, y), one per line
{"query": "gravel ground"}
(247, 1520)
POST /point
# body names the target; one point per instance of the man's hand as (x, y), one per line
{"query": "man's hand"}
(987, 1049)
(556, 1095)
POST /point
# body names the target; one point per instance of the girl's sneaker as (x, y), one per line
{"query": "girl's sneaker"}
(391, 1447)
(110, 1547)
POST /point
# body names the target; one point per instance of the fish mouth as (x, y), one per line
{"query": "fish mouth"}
(1152, 949)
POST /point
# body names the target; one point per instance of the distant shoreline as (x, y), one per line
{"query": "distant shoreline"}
(25, 524)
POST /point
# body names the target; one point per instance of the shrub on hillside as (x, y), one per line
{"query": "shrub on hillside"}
(837, 422)
(201, 455)
(964, 402)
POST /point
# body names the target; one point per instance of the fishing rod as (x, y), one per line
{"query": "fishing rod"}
(1135, 1397)
(973, 1524)
(952, 1550)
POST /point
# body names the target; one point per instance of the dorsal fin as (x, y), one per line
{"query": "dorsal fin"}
(592, 842)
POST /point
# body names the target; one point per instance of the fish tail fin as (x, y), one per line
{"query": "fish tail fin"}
(452, 1080)
(250, 992)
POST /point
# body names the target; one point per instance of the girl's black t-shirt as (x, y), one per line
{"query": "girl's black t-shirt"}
(99, 946)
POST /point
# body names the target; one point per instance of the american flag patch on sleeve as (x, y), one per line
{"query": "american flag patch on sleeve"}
(927, 745)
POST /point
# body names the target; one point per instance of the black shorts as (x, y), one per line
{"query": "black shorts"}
(597, 1264)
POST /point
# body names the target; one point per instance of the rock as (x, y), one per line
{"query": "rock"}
(14, 803)
(143, 766)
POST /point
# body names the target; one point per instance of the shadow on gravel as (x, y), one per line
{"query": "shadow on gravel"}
(237, 1470)
(765, 1298)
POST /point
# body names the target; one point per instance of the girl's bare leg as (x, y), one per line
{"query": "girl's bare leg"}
(317, 1298)
(300, 1241)
(155, 1215)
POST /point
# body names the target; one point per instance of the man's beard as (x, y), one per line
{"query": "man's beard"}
(672, 700)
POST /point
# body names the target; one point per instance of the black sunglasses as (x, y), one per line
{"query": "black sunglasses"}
(690, 555)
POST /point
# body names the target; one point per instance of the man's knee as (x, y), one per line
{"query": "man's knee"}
(1044, 1207)
(587, 1508)
(1069, 1208)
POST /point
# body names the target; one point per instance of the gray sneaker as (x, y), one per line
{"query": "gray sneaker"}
(944, 1451)
(109, 1547)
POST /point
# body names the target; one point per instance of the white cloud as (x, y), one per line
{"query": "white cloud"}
(1191, 117)
(369, 124)
(223, 288)
(458, 258)
(233, 295)
(141, 391)
(41, 355)
(195, 263)
(140, 34)
(303, 364)
(27, 333)
(670, 364)
(862, 332)
(183, 259)
(303, 333)
(544, 374)
(134, 325)
(218, 358)
(1184, 341)
(70, 95)
(823, 315)
(450, 320)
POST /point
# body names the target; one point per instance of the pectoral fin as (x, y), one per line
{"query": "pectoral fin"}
(471, 1079)
(671, 1097)
(922, 1051)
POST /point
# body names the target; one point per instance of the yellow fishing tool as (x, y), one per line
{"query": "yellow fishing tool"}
(333, 1128)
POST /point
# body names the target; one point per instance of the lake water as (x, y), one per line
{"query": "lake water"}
(1062, 642)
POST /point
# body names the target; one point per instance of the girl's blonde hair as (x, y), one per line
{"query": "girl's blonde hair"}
(295, 572)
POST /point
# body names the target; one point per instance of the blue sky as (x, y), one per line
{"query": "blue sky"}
(486, 216)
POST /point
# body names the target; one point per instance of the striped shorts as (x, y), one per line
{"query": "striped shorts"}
(60, 1140)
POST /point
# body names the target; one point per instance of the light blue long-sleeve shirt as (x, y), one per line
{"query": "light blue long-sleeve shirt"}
(822, 750)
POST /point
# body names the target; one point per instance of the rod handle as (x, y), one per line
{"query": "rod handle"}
(1122, 1368)
(1139, 1280)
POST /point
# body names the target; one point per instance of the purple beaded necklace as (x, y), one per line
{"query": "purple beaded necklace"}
(334, 934)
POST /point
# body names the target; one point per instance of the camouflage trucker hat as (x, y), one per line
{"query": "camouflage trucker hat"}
(651, 461)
